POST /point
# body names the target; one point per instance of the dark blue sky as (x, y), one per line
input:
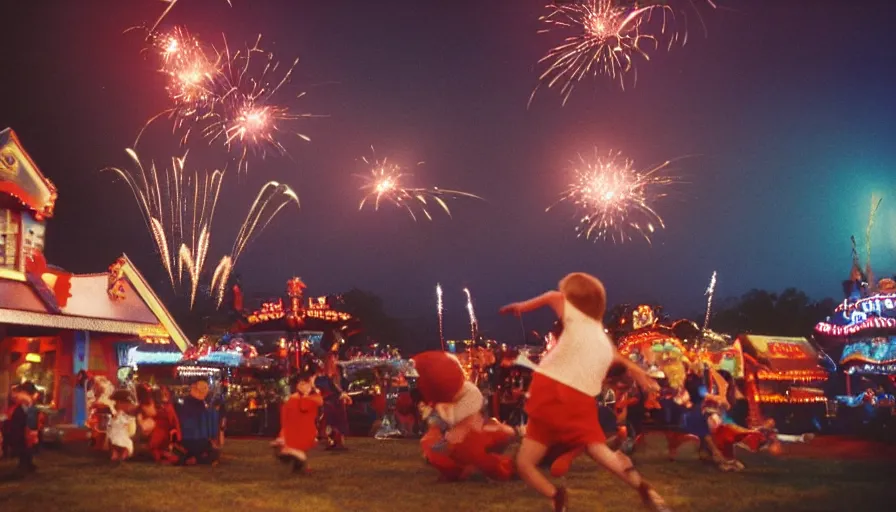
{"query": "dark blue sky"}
(788, 105)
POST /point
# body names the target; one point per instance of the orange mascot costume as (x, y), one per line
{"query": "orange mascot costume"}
(464, 443)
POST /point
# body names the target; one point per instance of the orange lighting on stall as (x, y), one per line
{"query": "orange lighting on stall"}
(33, 358)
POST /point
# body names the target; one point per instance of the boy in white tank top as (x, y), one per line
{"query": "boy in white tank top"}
(562, 405)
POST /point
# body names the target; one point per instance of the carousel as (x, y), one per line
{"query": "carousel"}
(861, 335)
(293, 328)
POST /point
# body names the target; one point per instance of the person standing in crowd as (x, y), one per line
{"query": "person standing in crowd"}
(21, 427)
(199, 427)
(123, 426)
(166, 429)
(329, 382)
(298, 423)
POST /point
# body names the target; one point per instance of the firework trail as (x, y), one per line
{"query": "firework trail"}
(272, 198)
(171, 4)
(614, 199)
(710, 292)
(440, 310)
(473, 323)
(608, 37)
(872, 215)
(178, 208)
(384, 184)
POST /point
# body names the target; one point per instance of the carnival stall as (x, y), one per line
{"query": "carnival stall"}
(57, 326)
(784, 378)
(248, 387)
(862, 330)
(381, 401)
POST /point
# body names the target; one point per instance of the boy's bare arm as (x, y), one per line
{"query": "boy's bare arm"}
(553, 298)
(645, 381)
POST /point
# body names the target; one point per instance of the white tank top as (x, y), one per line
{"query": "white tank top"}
(583, 354)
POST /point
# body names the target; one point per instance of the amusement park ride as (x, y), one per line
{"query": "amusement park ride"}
(862, 329)
(249, 367)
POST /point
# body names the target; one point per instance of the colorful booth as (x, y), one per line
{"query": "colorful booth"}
(55, 324)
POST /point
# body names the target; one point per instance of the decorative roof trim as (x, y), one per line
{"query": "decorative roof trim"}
(41, 210)
(155, 305)
(79, 323)
(13, 275)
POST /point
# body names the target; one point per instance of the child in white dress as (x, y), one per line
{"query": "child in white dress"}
(123, 426)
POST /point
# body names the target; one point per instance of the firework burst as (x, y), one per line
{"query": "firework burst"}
(235, 99)
(179, 209)
(191, 73)
(609, 36)
(190, 70)
(248, 119)
(614, 199)
(385, 184)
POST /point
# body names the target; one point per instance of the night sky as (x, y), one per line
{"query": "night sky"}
(786, 112)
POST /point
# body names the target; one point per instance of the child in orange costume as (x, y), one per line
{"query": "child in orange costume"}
(562, 408)
(459, 441)
(167, 429)
(298, 420)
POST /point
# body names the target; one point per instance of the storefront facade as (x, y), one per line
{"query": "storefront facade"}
(55, 324)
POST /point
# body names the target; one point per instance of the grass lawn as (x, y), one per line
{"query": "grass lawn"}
(391, 476)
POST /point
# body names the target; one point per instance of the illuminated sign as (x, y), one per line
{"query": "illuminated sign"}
(871, 313)
(786, 351)
(861, 310)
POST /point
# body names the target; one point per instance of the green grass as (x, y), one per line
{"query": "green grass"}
(391, 476)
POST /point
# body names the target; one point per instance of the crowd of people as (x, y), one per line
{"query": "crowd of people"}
(558, 410)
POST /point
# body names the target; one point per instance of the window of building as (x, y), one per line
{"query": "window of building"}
(9, 238)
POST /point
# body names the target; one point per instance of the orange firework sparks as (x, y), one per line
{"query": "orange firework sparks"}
(190, 70)
(233, 99)
(614, 199)
(192, 79)
(247, 116)
(608, 37)
(384, 184)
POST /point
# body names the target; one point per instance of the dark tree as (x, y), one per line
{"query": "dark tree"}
(377, 325)
(790, 313)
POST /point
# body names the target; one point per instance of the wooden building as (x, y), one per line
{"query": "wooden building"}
(55, 324)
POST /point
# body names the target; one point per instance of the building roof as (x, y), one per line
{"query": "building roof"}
(133, 308)
(22, 180)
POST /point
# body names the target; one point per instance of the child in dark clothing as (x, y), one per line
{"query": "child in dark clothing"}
(21, 427)
(199, 427)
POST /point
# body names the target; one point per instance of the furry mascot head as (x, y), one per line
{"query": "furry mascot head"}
(442, 384)
(461, 444)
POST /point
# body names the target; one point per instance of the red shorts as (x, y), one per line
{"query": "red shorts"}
(561, 415)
